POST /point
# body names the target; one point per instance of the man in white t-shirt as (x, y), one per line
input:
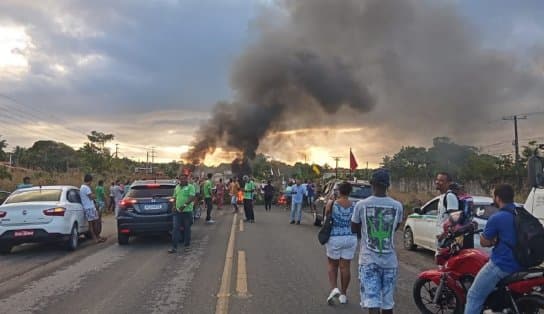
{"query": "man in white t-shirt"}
(448, 200)
(87, 200)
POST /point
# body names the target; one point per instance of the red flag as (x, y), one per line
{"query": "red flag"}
(352, 162)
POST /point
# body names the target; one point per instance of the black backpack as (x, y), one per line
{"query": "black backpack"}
(529, 248)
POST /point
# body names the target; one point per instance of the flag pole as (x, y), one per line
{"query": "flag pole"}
(350, 163)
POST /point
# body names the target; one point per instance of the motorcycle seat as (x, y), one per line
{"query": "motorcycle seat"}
(522, 275)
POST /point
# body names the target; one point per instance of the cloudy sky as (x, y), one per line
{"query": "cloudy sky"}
(150, 72)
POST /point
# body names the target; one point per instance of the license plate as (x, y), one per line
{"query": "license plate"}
(23, 233)
(152, 207)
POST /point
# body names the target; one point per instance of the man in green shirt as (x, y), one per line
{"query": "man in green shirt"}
(100, 196)
(184, 195)
(249, 190)
(208, 186)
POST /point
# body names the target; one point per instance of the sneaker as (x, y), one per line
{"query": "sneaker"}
(252, 221)
(343, 299)
(210, 221)
(187, 249)
(298, 222)
(335, 293)
(172, 251)
(292, 222)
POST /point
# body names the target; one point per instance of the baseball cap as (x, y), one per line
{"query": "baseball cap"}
(381, 177)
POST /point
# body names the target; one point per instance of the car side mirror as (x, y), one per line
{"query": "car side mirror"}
(418, 211)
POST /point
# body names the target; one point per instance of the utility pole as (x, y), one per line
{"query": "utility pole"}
(147, 161)
(336, 159)
(517, 167)
(152, 158)
(515, 118)
(116, 151)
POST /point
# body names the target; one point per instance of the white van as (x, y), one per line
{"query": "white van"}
(535, 201)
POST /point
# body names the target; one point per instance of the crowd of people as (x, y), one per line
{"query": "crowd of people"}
(375, 219)
(369, 223)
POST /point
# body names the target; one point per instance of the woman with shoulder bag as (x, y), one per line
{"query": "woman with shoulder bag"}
(342, 243)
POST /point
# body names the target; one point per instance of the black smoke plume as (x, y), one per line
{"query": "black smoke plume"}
(416, 64)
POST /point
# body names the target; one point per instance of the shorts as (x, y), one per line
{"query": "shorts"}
(377, 286)
(234, 200)
(91, 214)
(101, 205)
(341, 247)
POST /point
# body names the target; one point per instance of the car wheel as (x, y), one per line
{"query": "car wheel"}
(409, 240)
(5, 248)
(73, 240)
(122, 239)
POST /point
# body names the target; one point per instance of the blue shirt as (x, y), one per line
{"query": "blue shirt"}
(341, 220)
(310, 190)
(501, 226)
(298, 191)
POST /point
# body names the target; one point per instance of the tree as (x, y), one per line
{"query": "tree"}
(49, 156)
(410, 162)
(94, 155)
(4, 173)
(3, 145)
(100, 138)
(19, 154)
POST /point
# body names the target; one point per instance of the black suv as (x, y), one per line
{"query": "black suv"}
(146, 209)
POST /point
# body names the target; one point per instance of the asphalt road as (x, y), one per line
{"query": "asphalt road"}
(269, 267)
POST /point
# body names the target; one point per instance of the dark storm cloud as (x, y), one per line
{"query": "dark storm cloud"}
(127, 55)
(421, 60)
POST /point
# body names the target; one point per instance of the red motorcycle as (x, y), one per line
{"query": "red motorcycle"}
(444, 290)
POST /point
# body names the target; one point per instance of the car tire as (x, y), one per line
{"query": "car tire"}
(122, 239)
(408, 239)
(5, 248)
(73, 240)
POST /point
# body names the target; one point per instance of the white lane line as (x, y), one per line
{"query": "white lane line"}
(170, 298)
(39, 293)
(222, 306)
(241, 225)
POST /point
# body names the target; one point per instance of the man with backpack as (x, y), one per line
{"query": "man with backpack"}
(500, 234)
(448, 201)
(466, 207)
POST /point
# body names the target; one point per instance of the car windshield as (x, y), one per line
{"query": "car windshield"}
(41, 195)
(485, 211)
(361, 191)
(146, 191)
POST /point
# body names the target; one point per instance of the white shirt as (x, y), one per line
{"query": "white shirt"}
(442, 216)
(85, 195)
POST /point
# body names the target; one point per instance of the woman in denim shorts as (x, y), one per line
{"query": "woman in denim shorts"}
(342, 243)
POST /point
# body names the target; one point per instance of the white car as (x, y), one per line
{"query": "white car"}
(420, 227)
(42, 214)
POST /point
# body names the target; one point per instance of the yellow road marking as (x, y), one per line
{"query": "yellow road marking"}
(222, 306)
(241, 225)
(241, 278)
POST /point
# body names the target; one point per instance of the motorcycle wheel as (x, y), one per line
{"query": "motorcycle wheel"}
(533, 304)
(424, 292)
